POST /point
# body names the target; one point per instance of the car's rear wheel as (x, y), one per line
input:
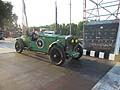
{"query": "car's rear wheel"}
(79, 49)
(57, 55)
(19, 46)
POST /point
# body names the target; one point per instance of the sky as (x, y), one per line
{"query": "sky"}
(42, 12)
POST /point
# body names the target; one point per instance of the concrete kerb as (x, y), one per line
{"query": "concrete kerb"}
(10, 39)
(101, 55)
(111, 81)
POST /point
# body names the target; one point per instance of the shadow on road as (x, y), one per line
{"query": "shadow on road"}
(38, 56)
(93, 68)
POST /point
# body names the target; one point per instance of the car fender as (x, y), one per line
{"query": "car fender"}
(55, 43)
(20, 40)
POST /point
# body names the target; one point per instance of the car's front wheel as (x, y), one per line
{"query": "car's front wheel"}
(57, 55)
(79, 49)
(19, 46)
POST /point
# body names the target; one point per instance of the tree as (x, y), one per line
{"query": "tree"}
(5, 14)
(74, 29)
(52, 27)
(80, 26)
(64, 29)
(80, 29)
(14, 20)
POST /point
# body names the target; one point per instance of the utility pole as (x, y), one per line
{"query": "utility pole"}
(84, 20)
(56, 26)
(24, 18)
(70, 17)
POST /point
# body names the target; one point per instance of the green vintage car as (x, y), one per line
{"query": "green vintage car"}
(58, 47)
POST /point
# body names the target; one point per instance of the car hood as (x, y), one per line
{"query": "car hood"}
(57, 36)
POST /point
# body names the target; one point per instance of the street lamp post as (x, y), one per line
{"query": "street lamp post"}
(70, 17)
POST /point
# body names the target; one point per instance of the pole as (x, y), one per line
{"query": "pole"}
(56, 26)
(84, 10)
(24, 18)
(84, 20)
(70, 17)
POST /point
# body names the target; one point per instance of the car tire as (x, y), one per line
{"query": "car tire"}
(79, 49)
(57, 55)
(19, 46)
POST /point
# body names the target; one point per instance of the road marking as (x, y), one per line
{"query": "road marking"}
(111, 81)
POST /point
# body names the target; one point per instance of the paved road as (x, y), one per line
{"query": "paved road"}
(33, 71)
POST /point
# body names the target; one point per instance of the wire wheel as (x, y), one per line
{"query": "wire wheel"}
(79, 49)
(57, 56)
(19, 46)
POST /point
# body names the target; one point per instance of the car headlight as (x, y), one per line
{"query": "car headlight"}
(76, 40)
(72, 41)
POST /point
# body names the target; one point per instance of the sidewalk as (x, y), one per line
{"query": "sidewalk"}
(6, 50)
(111, 81)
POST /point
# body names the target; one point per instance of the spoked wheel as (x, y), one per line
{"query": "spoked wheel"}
(79, 49)
(19, 46)
(57, 55)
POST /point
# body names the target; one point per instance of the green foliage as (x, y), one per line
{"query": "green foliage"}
(52, 27)
(6, 16)
(80, 26)
(77, 29)
(80, 29)
(64, 29)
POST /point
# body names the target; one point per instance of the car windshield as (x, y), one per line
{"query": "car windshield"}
(49, 32)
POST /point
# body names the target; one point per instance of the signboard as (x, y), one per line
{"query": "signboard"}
(101, 35)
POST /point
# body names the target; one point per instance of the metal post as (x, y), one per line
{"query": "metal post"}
(56, 26)
(84, 20)
(98, 10)
(70, 17)
(24, 19)
(84, 10)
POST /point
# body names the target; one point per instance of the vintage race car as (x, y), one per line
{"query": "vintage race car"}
(58, 47)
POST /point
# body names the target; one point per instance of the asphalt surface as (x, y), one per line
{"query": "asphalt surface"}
(33, 71)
